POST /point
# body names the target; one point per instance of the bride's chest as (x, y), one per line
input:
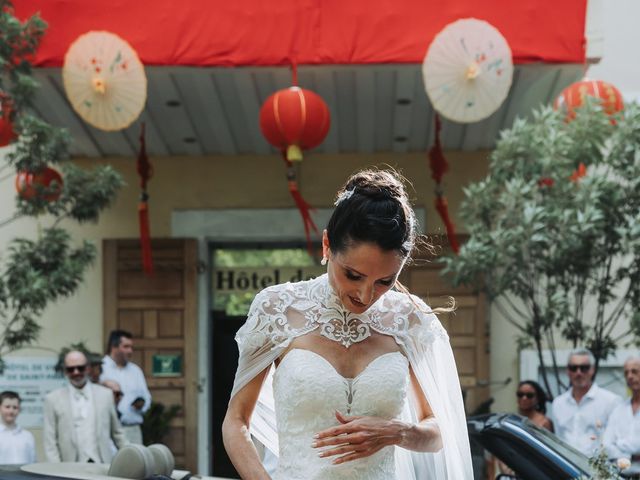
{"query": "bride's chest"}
(307, 385)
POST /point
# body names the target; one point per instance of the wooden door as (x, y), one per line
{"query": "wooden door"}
(161, 313)
(466, 327)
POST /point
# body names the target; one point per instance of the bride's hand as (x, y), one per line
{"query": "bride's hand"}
(358, 437)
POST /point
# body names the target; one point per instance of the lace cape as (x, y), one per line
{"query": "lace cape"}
(281, 313)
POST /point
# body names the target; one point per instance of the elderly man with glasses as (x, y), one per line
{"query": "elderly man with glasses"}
(581, 413)
(80, 418)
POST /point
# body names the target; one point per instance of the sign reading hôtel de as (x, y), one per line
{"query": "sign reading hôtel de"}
(254, 279)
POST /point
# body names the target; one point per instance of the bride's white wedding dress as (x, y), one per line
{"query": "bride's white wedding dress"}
(300, 397)
(308, 390)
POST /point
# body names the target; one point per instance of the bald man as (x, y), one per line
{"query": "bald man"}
(622, 436)
(80, 418)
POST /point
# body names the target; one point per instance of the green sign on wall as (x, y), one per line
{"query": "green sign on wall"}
(167, 365)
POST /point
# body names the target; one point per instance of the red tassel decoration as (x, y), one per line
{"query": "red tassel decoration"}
(439, 167)
(443, 210)
(145, 170)
(145, 237)
(303, 206)
(437, 161)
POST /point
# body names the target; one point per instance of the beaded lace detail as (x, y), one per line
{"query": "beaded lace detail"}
(340, 325)
(284, 312)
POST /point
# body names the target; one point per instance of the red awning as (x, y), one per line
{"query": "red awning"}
(270, 32)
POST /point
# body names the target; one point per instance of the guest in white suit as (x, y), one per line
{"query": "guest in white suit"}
(80, 419)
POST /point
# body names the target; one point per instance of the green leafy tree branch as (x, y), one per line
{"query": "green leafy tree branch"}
(554, 231)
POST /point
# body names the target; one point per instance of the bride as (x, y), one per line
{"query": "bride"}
(348, 376)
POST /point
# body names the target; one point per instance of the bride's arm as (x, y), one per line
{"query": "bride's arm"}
(425, 435)
(235, 431)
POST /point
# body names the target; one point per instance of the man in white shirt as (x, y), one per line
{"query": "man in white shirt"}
(16, 445)
(580, 414)
(80, 419)
(136, 399)
(622, 436)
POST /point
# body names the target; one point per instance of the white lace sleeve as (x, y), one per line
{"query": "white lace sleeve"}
(264, 335)
(424, 328)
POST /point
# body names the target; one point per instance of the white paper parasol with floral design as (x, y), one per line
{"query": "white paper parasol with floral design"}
(467, 70)
(104, 80)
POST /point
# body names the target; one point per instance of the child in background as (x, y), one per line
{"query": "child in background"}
(17, 446)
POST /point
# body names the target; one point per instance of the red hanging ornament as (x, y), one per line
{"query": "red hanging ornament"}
(31, 184)
(442, 207)
(145, 171)
(291, 120)
(437, 160)
(7, 133)
(303, 207)
(573, 97)
(439, 166)
(294, 119)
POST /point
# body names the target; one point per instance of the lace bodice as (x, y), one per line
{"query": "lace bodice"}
(308, 390)
(281, 313)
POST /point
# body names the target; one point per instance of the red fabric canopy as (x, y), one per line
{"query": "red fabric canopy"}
(271, 32)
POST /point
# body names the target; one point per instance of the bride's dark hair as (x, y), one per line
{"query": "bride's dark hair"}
(373, 207)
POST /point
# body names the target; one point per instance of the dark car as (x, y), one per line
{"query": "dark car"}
(531, 452)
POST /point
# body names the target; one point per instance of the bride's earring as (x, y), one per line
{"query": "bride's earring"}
(323, 261)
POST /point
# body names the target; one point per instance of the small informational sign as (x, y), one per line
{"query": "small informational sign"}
(167, 365)
(32, 378)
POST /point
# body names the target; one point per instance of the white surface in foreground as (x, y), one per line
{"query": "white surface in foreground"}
(91, 471)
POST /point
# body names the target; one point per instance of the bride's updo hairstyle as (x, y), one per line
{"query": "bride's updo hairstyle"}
(373, 207)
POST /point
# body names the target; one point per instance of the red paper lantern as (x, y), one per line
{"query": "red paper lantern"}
(294, 119)
(573, 97)
(7, 134)
(30, 184)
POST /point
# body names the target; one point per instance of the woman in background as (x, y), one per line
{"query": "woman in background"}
(532, 403)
